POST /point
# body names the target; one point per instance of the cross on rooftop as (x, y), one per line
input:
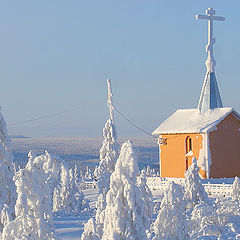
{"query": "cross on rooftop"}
(210, 63)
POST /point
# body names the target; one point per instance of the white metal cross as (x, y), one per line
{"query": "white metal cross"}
(210, 12)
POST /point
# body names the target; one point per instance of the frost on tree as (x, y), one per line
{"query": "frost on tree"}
(7, 186)
(52, 166)
(93, 229)
(90, 232)
(78, 178)
(109, 149)
(236, 189)
(147, 198)
(194, 190)
(171, 221)
(33, 206)
(64, 199)
(124, 214)
(100, 214)
(205, 222)
(73, 186)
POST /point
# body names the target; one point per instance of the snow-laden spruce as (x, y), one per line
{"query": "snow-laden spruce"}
(147, 198)
(33, 206)
(124, 213)
(171, 221)
(194, 190)
(205, 222)
(78, 179)
(109, 149)
(65, 200)
(236, 189)
(52, 166)
(108, 156)
(73, 187)
(218, 220)
(90, 232)
(7, 187)
(93, 229)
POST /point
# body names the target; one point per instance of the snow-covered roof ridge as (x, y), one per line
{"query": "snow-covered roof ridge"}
(192, 121)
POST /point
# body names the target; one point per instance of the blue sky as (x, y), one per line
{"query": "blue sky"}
(56, 55)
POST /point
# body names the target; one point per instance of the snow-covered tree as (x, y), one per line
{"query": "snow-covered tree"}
(57, 207)
(81, 182)
(124, 214)
(7, 187)
(90, 232)
(65, 192)
(100, 213)
(65, 200)
(33, 206)
(88, 174)
(72, 180)
(236, 189)
(52, 166)
(77, 178)
(194, 190)
(171, 221)
(109, 149)
(147, 198)
(204, 221)
(96, 224)
(108, 157)
(219, 220)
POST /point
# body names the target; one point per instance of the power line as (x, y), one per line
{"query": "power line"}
(134, 123)
(40, 118)
(62, 112)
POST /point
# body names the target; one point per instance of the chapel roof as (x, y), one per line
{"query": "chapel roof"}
(192, 121)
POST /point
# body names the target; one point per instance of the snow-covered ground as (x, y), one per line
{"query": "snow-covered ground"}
(71, 227)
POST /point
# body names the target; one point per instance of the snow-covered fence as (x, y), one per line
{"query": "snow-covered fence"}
(159, 184)
(223, 189)
(90, 184)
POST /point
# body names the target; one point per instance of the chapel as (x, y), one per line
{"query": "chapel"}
(210, 133)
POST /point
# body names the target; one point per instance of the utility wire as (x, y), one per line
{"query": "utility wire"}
(40, 118)
(59, 113)
(133, 123)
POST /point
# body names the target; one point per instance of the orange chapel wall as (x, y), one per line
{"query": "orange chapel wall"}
(172, 154)
(225, 148)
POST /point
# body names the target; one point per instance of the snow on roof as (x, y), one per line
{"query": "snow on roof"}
(192, 121)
